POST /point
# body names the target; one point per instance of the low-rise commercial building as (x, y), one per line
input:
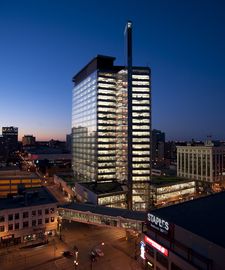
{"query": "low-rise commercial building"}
(110, 194)
(186, 236)
(10, 179)
(31, 215)
(168, 190)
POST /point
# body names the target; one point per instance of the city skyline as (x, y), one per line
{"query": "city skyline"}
(44, 44)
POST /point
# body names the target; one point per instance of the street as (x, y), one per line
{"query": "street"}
(118, 252)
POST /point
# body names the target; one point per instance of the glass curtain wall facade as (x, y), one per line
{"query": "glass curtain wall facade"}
(84, 129)
(100, 124)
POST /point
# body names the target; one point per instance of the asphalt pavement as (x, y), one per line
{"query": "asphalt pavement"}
(119, 253)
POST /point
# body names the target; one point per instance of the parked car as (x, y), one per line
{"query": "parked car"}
(99, 252)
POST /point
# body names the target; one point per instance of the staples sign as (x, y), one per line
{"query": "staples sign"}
(158, 223)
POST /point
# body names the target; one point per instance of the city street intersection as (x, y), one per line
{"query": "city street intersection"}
(119, 253)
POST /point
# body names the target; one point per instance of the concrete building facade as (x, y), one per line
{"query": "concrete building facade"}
(203, 163)
(31, 215)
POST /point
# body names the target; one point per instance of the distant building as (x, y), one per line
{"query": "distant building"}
(203, 163)
(69, 142)
(57, 144)
(186, 236)
(10, 135)
(11, 177)
(48, 160)
(158, 145)
(28, 140)
(29, 216)
(170, 151)
(2, 147)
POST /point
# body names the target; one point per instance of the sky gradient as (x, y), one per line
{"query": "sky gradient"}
(43, 43)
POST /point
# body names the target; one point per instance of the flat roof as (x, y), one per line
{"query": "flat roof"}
(9, 168)
(203, 216)
(39, 150)
(168, 180)
(107, 211)
(35, 196)
(100, 62)
(18, 175)
(103, 188)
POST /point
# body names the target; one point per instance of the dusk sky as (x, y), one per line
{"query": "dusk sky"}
(43, 43)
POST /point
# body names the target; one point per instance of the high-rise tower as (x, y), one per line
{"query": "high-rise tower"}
(111, 127)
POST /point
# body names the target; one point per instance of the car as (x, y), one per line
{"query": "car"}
(99, 252)
(68, 253)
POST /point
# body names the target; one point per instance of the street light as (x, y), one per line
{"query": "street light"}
(75, 249)
(60, 227)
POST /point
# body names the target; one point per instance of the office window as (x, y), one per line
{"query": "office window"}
(39, 221)
(2, 228)
(25, 214)
(25, 224)
(17, 226)
(2, 218)
(34, 223)
(10, 227)
(52, 219)
(17, 216)
(47, 220)
(10, 217)
(52, 210)
(46, 211)
(33, 213)
(39, 212)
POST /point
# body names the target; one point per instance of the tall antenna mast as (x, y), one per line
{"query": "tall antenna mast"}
(128, 36)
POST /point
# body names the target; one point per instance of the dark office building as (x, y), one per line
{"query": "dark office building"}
(10, 136)
(158, 145)
(2, 147)
(68, 142)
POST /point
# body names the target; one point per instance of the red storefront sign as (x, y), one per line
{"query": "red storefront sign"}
(157, 246)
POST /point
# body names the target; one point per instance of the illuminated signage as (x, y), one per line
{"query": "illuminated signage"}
(142, 248)
(157, 246)
(158, 223)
